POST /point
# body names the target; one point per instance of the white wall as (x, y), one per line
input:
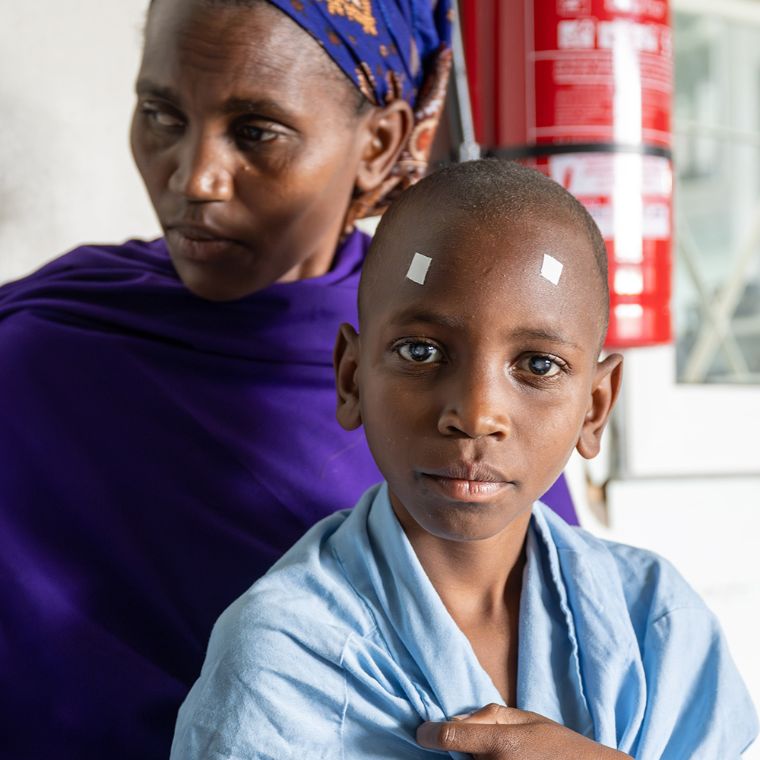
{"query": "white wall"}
(66, 95)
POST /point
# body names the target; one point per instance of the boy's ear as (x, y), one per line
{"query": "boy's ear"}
(609, 374)
(346, 364)
(389, 128)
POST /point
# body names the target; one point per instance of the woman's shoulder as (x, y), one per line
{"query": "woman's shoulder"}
(86, 263)
(51, 316)
(91, 290)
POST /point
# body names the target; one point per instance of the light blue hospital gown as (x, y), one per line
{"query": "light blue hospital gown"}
(344, 648)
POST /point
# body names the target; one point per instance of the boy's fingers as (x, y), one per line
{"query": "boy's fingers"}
(460, 736)
(494, 713)
(518, 734)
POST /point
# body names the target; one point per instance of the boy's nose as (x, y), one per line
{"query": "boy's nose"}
(204, 170)
(477, 410)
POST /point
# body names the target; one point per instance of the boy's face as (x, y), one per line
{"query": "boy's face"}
(475, 386)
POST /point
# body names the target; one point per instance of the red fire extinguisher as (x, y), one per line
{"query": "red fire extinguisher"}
(581, 89)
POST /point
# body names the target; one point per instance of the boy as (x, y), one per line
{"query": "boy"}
(483, 308)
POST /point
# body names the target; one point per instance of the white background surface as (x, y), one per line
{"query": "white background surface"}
(66, 96)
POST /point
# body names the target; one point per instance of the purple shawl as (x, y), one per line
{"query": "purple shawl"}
(157, 453)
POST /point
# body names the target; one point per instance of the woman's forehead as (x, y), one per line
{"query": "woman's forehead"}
(253, 43)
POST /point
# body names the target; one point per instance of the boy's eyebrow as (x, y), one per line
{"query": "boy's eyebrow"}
(415, 314)
(543, 334)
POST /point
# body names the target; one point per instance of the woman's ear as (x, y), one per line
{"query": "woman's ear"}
(389, 128)
(346, 364)
(604, 392)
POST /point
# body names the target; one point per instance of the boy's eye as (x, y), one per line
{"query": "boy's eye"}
(420, 353)
(541, 365)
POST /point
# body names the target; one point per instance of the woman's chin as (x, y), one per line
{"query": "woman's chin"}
(215, 283)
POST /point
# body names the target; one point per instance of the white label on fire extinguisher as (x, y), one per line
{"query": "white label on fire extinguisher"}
(607, 183)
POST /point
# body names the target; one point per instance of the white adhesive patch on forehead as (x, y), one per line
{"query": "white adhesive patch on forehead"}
(418, 269)
(551, 269)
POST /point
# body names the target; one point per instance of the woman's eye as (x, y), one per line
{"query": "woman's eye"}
(162, 118)
(420, 353)
(543, 366)
(251, 133)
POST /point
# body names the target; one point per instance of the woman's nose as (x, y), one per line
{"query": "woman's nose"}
(204, 170)
(477, 407)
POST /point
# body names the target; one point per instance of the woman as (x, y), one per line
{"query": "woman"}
(167, 408)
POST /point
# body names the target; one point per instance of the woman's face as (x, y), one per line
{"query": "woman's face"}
(248, 139)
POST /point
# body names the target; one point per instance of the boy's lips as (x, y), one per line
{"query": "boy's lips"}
(473, 481)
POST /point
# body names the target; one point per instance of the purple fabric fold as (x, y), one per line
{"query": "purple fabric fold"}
(158, 453)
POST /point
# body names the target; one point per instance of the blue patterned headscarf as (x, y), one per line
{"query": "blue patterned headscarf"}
(389, 49)
(384, 46)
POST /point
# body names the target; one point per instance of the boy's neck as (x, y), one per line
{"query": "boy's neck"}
(473, 578)
(480, 584)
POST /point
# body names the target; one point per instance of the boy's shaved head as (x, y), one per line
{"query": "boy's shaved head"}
(489, 197)
(476, 369)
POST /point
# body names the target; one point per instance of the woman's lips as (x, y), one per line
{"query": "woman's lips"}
(198, 245)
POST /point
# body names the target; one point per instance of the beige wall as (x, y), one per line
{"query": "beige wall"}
(66, 94)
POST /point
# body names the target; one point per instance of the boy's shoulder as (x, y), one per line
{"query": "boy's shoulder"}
(310, 594)
(306, 596)
(645, 574)
(274, 673)
(651, 586)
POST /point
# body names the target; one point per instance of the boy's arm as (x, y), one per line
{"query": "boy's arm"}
(697, 703)
(255, 679)
(504, 733)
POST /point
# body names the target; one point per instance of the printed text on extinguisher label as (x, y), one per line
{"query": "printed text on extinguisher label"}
(603, 69)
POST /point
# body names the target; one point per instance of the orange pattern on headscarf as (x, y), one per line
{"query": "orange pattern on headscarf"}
(355, 10)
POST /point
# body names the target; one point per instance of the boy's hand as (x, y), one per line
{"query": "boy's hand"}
(504, 733)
